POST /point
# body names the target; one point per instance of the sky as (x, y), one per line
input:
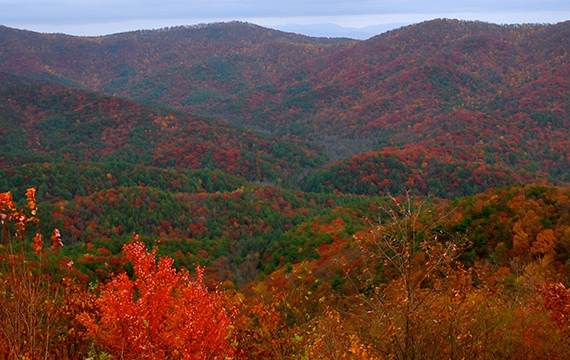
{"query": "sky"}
(362, 18)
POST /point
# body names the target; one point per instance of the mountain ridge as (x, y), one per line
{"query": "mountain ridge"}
(42, 119)
(491, 94)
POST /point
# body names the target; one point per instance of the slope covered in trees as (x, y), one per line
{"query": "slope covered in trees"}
(230, 232)
(482, 276)
(481, 93)
(139, 221)
(182, 65)
(440, 171)
(42, 122)
(270, 79)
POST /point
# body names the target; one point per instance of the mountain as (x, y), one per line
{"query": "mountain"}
(444, 108)
(105, 168)
(198, 59)
(386, 198)
(461, 93)
(49, 122)
(261, 71)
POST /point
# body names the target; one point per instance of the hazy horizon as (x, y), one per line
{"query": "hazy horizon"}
(333, 18)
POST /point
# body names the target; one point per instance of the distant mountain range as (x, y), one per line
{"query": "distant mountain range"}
(334, 30)
(451, 99)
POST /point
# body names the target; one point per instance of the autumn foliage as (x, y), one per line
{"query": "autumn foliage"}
(414, 285)
(30, 316)
(465, 124)
(159, 314)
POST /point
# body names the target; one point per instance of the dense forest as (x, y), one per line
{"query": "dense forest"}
(227, 191)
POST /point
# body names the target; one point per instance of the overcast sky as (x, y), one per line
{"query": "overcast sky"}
(101, 17)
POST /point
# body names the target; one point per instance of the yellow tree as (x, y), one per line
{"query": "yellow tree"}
(29, 299)
(411, 255)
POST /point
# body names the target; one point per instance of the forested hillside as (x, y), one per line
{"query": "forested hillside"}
(42, 121)
(276, 80)
(229, 191)
(467, 94)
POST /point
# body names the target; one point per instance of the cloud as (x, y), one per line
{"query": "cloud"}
(58, 10)
(122, 15)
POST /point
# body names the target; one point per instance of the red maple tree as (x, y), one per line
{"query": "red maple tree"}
(161, 313)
